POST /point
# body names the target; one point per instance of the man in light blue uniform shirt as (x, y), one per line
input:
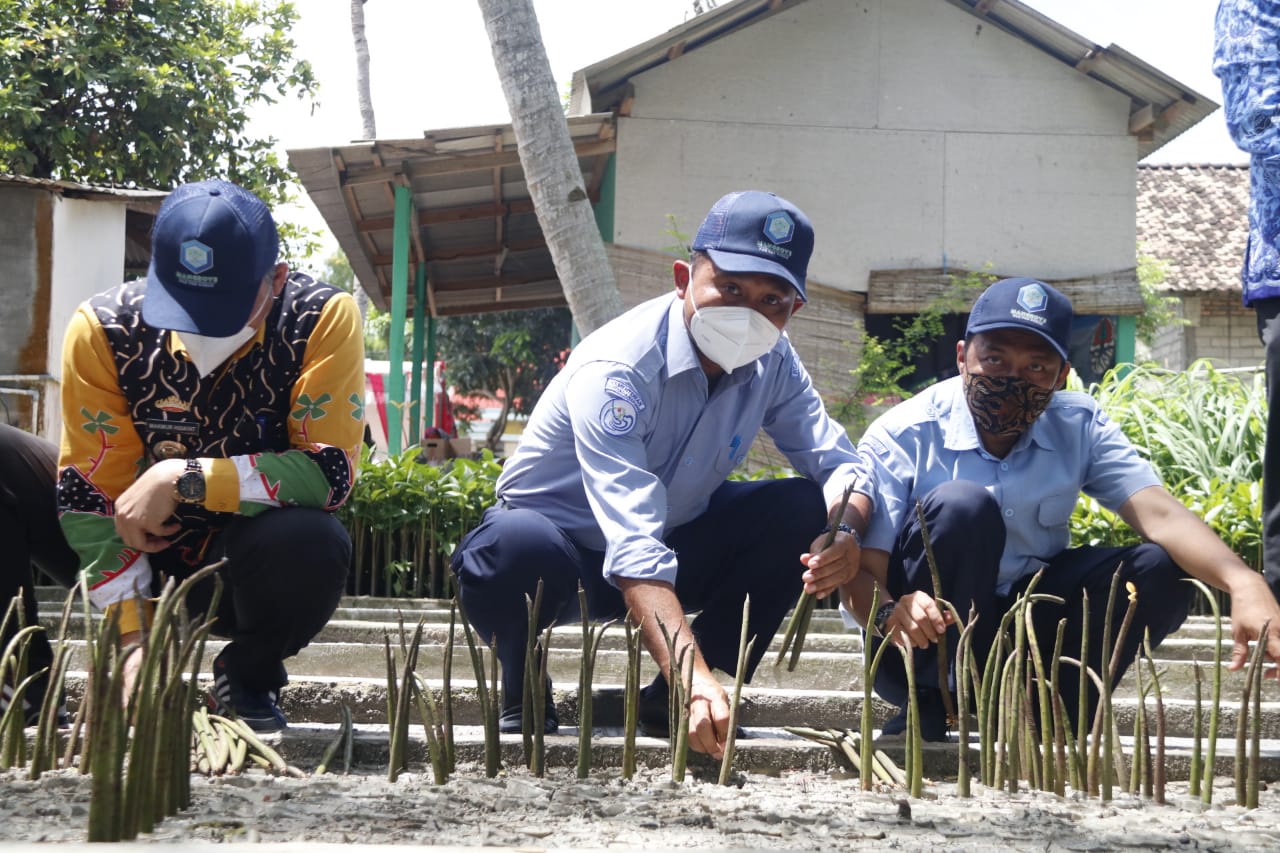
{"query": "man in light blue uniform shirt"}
(1247, 59)
(998, 456)
(620, 479)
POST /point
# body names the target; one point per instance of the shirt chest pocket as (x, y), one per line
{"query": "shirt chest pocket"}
(1055, 510)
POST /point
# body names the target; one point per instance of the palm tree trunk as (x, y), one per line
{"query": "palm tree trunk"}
(362, 70)
(551, 168)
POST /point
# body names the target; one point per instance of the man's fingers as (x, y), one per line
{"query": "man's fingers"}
(703, 736)
(1239, 655)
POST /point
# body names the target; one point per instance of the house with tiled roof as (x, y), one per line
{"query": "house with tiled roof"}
(1194, 221)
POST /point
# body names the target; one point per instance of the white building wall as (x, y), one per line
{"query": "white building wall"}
(911, 133)
(88, 257)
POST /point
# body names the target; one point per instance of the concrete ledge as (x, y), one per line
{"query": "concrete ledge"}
(765, 750)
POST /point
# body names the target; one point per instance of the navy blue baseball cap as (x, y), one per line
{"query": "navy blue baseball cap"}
(212, 244)
(758, 232)
(1024, 303)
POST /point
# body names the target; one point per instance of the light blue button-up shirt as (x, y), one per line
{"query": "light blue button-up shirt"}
(626, 444)
(1072, 447)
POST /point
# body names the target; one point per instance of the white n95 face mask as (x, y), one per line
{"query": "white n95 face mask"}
(208, 353)
(732, 336)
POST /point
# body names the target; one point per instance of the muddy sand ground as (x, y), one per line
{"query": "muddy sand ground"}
(792, 810)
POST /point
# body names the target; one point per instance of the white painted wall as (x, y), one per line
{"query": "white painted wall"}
(913, 134)
(88, 257)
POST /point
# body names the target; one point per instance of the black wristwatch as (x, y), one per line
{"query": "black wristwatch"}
(882, 616)
(189, 488)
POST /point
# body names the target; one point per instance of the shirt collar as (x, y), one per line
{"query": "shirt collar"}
(680, 352)
(960, 433)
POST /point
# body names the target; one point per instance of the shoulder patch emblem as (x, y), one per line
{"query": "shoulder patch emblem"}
(618, 417)
(624, 390)
(1100, 417)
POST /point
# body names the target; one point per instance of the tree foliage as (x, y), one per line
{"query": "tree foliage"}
(1160, 310)
(508, 355)
(146, 93)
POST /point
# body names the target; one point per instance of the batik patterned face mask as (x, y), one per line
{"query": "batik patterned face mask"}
(1004, 405)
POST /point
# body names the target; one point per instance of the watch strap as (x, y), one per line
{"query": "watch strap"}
(883, 612)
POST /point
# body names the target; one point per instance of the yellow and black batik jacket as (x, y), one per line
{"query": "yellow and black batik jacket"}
(279, 423)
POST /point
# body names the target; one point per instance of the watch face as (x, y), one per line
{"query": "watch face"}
(191, 487)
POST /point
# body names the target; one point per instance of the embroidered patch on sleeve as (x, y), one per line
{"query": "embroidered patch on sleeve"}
(618, 417)
(624, 390)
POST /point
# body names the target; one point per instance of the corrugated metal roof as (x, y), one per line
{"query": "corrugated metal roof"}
(473, 220)
(148, 199)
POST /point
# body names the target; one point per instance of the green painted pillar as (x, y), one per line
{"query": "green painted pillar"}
(399, 310)
(429, 415)
(1126, 339)
(415, 393)
(604, 213)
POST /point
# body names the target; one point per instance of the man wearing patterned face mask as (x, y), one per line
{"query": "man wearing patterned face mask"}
(620, 480)
(998, 457)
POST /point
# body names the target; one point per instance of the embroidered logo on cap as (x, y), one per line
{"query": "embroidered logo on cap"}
(779, 227)
(1032, 297)
(196, 256)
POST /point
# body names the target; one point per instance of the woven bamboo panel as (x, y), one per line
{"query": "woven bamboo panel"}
(910, 291)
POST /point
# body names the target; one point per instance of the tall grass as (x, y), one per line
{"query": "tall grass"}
(1204, 431)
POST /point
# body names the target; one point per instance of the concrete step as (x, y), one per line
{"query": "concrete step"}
(314, 699)
(347, 663)
(367, 619)
(816, 670)
(765, 750)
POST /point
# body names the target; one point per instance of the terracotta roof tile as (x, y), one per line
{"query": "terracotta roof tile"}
(1195, 218)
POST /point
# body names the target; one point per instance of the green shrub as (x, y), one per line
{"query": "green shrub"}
(405, 517)
(1204, 431)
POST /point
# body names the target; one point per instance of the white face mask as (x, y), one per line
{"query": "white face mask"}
(207, 353)
(732, 336)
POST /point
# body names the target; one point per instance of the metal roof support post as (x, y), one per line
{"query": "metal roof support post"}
(429, 413)
(1126, 339)
(399, 308)
(415, 393)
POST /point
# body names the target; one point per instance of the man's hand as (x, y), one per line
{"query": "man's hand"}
(829, 569)
(916, 620)
(144, 512)
(708, 717)
(1251, 606)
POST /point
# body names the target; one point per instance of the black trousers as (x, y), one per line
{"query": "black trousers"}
(749, 541)
(286, 570)
(1268, 312)
(30, 534)
(285, 573)
(968, 536)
